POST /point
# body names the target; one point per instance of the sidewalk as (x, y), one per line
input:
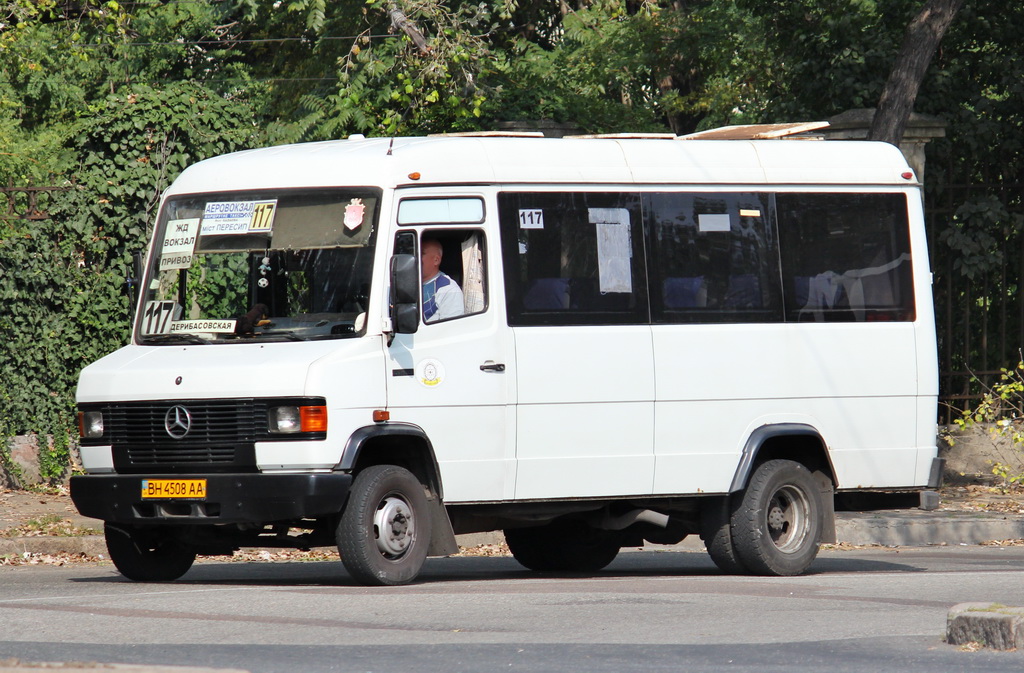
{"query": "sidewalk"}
(958, 521)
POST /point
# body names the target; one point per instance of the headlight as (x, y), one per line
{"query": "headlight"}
(90, 424)
(294, 419)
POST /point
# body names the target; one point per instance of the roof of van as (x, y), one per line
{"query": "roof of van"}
(389, 162)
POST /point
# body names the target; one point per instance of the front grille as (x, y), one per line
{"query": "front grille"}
(220, 438)
(213, 421)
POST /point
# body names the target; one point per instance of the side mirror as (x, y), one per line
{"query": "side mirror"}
(405, 285)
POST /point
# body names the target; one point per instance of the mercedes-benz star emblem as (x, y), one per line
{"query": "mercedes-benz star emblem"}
(177, 422)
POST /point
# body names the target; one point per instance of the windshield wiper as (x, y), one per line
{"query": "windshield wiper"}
(182, 337)
(285, 334)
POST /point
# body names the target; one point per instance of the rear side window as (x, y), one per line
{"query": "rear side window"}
(573, 258)
(845, 257)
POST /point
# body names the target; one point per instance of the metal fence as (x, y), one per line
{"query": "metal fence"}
(26, 203)
(980, 319)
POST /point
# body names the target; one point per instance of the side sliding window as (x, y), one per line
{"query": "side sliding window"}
(573, 258)
(714, 257)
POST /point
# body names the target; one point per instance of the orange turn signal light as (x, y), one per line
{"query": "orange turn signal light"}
(313, 419)
(381, 415)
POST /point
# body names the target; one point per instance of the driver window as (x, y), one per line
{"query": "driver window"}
(453, 275)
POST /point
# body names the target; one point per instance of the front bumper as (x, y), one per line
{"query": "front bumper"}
(230, 498)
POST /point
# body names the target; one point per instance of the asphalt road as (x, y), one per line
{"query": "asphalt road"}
(864, 610)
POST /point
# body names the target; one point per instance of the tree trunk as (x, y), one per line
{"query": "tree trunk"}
(919, 46)
(400, 21)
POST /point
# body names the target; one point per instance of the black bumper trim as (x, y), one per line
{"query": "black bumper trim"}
(231, 498)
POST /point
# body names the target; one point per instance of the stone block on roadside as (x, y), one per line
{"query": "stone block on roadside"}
(988, 624)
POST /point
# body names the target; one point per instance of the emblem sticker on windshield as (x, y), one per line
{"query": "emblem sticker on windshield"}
(354, 213)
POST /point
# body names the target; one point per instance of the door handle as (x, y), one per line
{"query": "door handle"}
(492, 366)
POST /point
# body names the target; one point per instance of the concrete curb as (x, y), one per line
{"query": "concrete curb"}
(989, 624)
(16, 666)
(915, 528)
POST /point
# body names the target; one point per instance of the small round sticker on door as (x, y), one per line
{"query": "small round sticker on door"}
(430, 373)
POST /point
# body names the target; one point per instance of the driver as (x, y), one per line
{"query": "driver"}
(442, 296)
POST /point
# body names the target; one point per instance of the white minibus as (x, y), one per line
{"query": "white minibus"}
(586, 343)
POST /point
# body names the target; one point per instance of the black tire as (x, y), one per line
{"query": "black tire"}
(776, 525)
(715, 523)
(147, 555)
(569, 546)
(384, 531)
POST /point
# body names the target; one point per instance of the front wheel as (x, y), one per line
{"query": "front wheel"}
(147, 555)
(384, 532)
(776, 526)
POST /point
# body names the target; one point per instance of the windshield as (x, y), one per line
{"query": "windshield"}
(284, 265)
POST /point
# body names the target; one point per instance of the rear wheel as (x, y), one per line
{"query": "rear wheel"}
(147, 555)
(568, 546)
(715, 525)
(776, 526)
(384, 532)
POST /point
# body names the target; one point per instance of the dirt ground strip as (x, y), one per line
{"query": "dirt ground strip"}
(22, 510)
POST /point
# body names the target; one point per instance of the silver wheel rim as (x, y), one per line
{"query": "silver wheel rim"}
(787, 519)
(393, 526)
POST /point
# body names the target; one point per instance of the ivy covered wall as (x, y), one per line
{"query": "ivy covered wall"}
(63, 300)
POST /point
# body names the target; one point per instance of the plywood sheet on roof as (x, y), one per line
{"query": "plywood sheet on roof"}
(756, 131)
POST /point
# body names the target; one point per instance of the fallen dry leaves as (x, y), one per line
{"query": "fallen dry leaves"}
(485, 550)
(1002, 543)
(62, 559)
(47, 527)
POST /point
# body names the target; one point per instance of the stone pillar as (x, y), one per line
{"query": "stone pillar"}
(855, 124)
(24, 462)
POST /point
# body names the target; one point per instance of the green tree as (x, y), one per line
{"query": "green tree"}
(609, 65)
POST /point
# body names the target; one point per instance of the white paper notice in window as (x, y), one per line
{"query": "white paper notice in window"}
(613, 249)
(708, 222)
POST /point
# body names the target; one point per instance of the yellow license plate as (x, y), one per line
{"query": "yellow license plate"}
(194, 489)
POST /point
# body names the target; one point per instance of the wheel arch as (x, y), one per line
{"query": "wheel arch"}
(402, 444)
(405, 445)
(800, 443)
